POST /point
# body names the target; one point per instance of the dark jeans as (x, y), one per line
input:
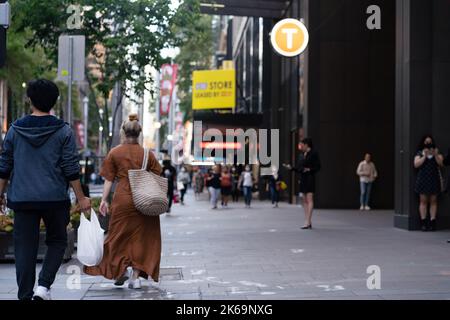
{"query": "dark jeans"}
(170, 195)
(275, 195)
(235, 193)
(248, 195)
(183, 192)
(366, 188)
(26, 244)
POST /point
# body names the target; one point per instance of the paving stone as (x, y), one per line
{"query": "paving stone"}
(261, 254)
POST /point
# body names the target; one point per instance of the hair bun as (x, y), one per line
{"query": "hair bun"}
(133, 117)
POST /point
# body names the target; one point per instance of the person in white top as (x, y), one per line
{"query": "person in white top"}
(367, 174)
(247, 181)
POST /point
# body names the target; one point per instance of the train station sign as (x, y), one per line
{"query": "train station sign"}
(289, 37)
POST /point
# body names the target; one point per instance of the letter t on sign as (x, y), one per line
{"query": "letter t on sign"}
(290, 36)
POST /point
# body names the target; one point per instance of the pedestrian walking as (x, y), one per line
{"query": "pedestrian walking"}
(307, 167)
(198, 183)
(133, 240)
(183, 181)
(170, 173)
(428, 162)
(274, 185)
(225, 186)
(446, 162)
(367, 173)
(208, 175)
(235, 184)
(40, 160)
(214, 186)
(246, 181)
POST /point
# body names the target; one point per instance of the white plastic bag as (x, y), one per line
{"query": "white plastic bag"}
(180, 185)
(90, 240)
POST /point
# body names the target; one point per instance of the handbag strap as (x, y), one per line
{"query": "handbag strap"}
(145, 161)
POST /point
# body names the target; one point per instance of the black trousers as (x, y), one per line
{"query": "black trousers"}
(235, 194)
(170, 195)
(183, 192)
(26, 244)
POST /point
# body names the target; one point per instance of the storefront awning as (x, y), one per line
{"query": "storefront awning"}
(228, 120)
(249, 8)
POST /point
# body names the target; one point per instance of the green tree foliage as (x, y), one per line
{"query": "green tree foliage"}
(22, 65)
(131, 34)
(195, 54)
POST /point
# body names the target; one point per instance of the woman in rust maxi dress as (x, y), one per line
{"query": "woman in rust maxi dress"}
(133, 240)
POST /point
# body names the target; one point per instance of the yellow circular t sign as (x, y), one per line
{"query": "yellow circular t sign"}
(289, 37)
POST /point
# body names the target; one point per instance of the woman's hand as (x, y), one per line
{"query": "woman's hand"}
(439, 158)
(104, 207)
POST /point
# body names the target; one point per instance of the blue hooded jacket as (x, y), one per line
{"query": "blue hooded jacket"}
(39, 157)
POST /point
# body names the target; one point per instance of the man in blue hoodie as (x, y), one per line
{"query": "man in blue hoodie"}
(40, 159)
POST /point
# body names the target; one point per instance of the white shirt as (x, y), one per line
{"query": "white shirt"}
(248, 181)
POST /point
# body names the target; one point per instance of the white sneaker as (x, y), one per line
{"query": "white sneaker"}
(367, 208)
(42, 293)
(361, 208)
(134, 284)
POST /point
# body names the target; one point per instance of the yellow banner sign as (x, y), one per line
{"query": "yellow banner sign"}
(213, 89)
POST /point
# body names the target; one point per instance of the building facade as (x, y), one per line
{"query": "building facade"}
(354, 90)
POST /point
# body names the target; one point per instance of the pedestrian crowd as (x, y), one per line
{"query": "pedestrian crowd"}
(38, 190)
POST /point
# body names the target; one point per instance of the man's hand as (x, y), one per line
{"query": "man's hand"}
(287, 166)
(83, 201)
(3, 183)
(2, 204)
(85, 204)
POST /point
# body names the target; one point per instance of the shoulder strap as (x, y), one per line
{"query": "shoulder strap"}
(145, 161)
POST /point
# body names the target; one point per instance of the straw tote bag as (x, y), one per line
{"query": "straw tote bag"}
(149, 190)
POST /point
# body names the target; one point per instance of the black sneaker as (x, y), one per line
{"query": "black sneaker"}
(432, 225)
(122, 279)
(423, 225)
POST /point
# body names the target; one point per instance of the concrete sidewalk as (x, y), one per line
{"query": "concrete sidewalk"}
(261, 253)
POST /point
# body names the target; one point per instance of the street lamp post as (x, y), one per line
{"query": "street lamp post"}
(100, 140)
(86, 114)
(100, 133)
(24, 86)
(158, 116)
(69, 83)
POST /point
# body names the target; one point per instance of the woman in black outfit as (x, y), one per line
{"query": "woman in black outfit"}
(170, 173)
(428, 161)
(447, 163)
(214, 186)
(235, 187)
(307, 167)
